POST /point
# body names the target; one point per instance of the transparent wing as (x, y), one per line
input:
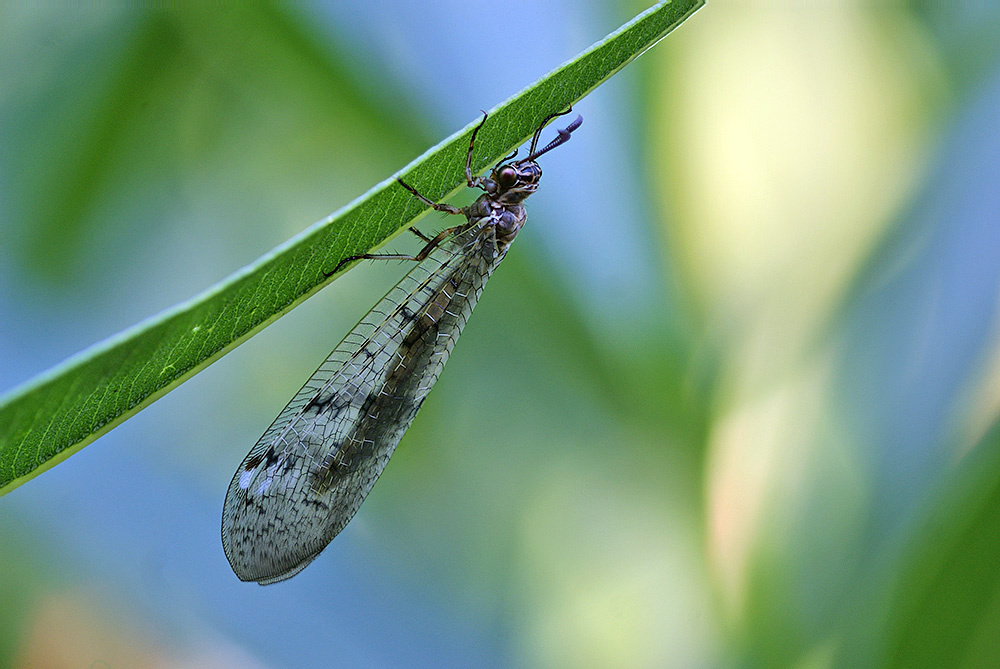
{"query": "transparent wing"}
(308, 474)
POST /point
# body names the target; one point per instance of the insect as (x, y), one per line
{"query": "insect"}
(308, 474)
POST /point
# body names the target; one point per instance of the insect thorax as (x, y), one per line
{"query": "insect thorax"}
(506, 219)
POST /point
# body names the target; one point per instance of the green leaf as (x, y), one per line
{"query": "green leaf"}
(945, 609)
(52, 416)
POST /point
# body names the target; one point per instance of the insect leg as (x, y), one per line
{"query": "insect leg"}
(423, 253)
(419, 234)
(440, 237)
(369, 256)
(471, 180)
(446, 208)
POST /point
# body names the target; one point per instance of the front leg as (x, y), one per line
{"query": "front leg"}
(469, 179)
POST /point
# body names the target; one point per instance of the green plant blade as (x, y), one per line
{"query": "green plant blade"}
(54, 415)
(945, 609)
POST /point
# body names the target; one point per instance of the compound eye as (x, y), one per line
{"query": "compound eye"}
(506, 176)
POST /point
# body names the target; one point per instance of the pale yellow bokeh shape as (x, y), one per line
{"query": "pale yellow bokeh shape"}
(612, 570)
(789, 141)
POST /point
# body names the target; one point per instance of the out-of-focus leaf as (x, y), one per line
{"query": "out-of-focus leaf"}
(132, 120)
(56, 414)
(945, 611)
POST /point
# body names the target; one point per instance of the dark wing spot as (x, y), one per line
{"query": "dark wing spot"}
(253, 462)
(322, 402)
(270, 457)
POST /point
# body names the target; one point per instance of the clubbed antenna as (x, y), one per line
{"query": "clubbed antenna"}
(558, 141)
